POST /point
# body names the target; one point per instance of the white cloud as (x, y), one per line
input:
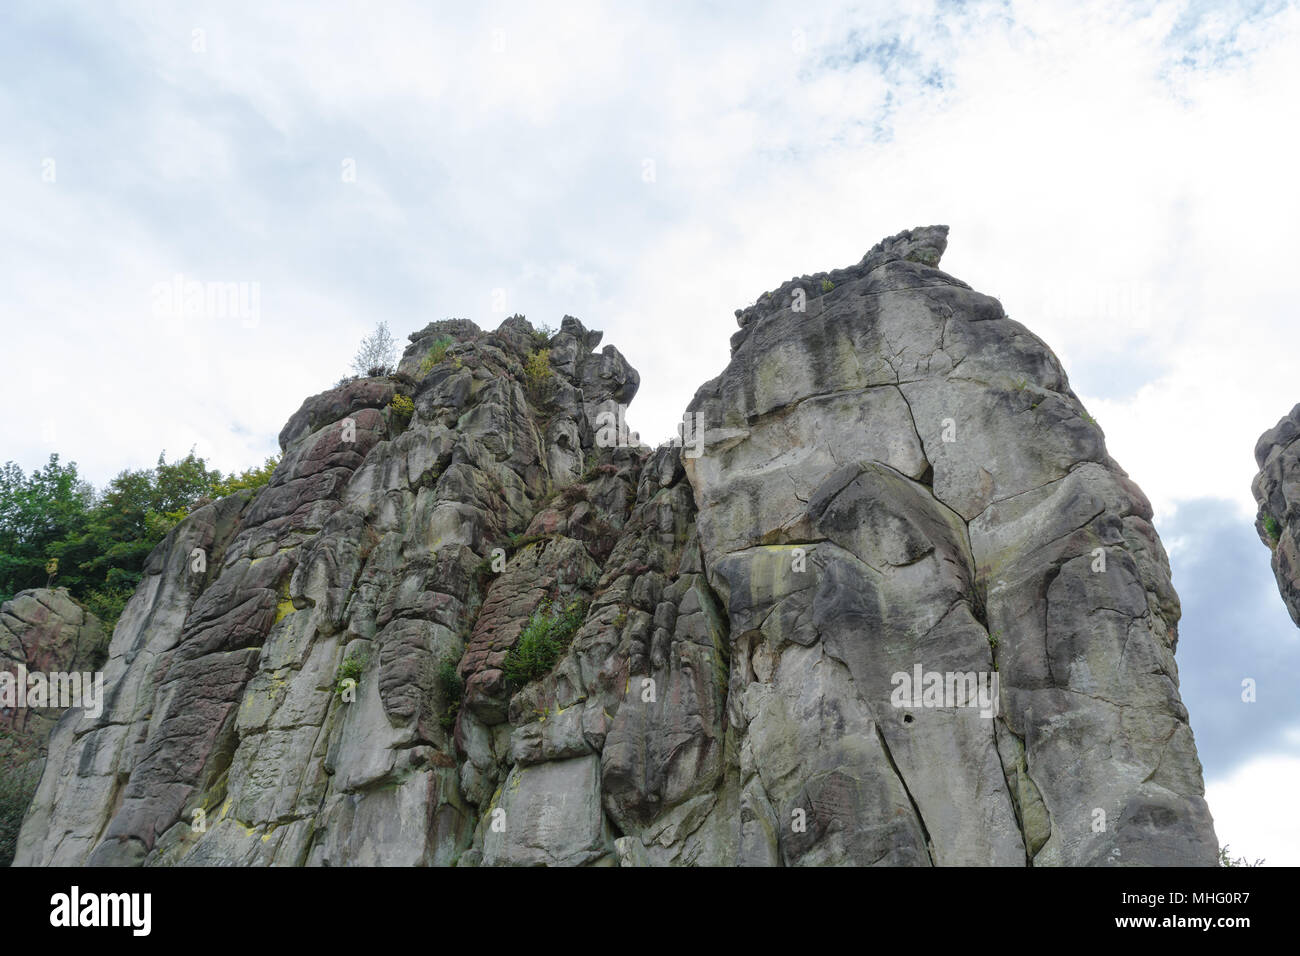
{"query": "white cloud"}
(1254, 810)
(1126, 191)
(1070, 173)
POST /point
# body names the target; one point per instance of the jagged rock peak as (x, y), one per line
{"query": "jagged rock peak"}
(458, 329)
(924, 245)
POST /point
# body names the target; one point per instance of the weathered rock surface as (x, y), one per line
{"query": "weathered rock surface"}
(44, 631)
(1277, 492)
(893, 476)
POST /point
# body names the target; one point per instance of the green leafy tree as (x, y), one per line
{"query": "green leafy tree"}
(135, 512)
(98, 543)
(36, 512)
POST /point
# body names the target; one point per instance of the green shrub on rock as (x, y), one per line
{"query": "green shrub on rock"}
(452, 687)
(1273, 528)
(544, 638)
(351, 669)
(542, 336)
(538, 375)
(402, 407)
(434, 356)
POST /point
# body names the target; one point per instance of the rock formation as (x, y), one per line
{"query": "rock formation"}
(42, 631)
(889, 478)
(1277, 491)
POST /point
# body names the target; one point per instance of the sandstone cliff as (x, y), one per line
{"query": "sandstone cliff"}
(42, 630)
(891, 476)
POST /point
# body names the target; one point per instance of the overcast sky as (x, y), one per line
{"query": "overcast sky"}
(1121, 175)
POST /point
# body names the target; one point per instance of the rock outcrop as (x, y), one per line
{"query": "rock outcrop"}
(890, 478)
(1277, 492)
(42, 631)
(45, 639)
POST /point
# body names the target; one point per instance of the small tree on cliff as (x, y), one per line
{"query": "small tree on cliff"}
(377, 352)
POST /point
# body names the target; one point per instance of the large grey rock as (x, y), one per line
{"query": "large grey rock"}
(548, 814)
(971, 523)
(44, 631)
(894, 475)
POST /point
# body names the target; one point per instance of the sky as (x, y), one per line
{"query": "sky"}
(1120, 175)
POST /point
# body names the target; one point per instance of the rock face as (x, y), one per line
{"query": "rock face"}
(1277, 491)
(891, 478)
(42, 631)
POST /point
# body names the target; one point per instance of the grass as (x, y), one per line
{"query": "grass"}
(434, 356)
(1273, 528)
(544, 638)
(351, 669)
(827, 286)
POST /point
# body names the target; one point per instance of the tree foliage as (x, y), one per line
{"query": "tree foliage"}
(17, 786)
(377, 352)
(1226, 858)
(100, 540)
(538, 378)
(36, 511)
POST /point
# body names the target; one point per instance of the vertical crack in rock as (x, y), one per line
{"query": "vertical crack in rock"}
(916, 810)
(1031, 813)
